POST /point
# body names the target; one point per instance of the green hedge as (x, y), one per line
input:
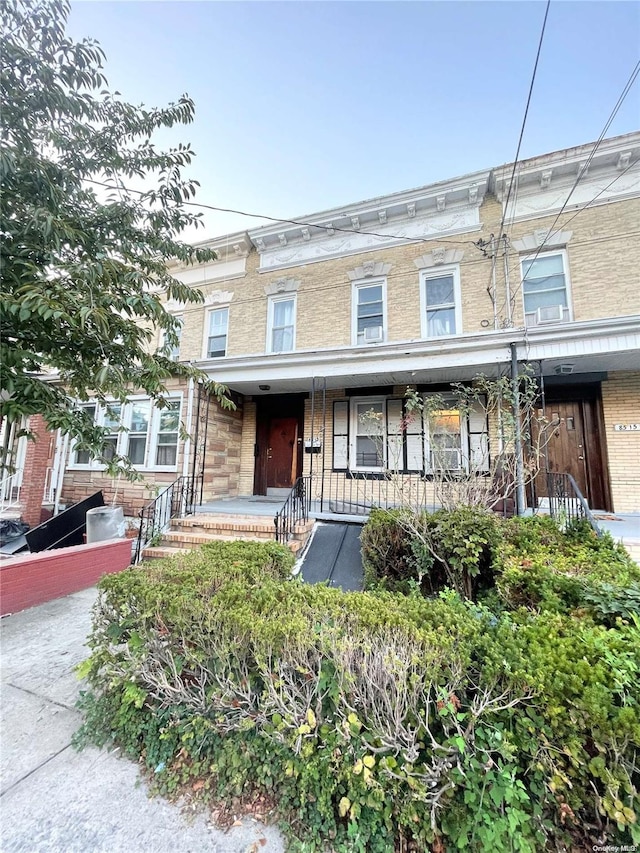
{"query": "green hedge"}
(372, 719)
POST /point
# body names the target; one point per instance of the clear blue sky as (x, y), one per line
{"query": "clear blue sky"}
(302, 106)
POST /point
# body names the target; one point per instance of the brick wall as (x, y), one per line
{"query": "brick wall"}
(37, 578)
(39, 457)
(621, 405)
(223, 453)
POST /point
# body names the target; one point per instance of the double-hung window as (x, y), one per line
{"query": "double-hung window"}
(172, 351)
(368, 452)
(544, 288)
(440, 301)
(456, 438)
(146, 435)
(444, 437)
(217, 333)
(369, 312)
(281, 326)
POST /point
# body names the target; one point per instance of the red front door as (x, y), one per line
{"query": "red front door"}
(282, 452)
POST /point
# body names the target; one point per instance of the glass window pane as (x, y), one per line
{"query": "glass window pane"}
(372, 309)
(283, 313)
(546, 299)
(552, 282)
(283, 339)
(170, 418)
(137, 447)
(112, 415)
(543, 266)
(442, 321)
(440, 290)
(368, 453)
(140, 416)
(218, 321)
(166, 454)
(217, 347)
(370, 294)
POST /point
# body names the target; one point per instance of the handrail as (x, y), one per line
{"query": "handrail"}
(566, 501)
(295, 509)
(176, 500)
(10, 490)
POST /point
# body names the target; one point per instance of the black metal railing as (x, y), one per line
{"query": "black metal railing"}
(566, 501)
(295, 509)
(356, 494)
(176, 500)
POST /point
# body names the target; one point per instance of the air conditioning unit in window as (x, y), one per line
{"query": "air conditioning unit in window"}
(550, 314)
(373, 334)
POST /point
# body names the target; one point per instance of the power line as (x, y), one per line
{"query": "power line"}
(328, 228)
(564, 224)
(581, 173)
(524, 119)
(515, 162)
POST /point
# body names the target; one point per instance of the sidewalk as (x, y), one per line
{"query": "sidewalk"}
(55, 799)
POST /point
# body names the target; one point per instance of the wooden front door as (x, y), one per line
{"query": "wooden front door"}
(279, 442)
(282, 453)
(574, 446)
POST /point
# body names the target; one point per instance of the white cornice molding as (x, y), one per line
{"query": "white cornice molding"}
(369, 269)
(542, 184)
(462, 220)
(218, 297)
(543, 236)
(282, 285)
(438, 257)
(448, 207)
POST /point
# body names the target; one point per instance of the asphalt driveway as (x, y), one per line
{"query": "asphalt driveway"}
(53, 798)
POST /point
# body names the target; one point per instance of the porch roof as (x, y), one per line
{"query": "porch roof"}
(593, 346)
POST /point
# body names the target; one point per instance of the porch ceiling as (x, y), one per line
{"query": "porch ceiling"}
(567, 350)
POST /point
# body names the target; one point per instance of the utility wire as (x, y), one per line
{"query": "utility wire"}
(581, 173)
(328, 228)
(499, 235)
(577, 213)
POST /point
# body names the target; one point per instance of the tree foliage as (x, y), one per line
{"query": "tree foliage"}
(84, 267)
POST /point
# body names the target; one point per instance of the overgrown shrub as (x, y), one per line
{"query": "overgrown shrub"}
(433, 550)
(371, 719)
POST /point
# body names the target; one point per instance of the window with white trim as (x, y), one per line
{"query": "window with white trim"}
(217, 333)
(456, 440)
(441, 302)
(146, 435)
(369, 320)
(372, 434)
(544, 289)
(368, 419)
(281, 324)
(173, 351)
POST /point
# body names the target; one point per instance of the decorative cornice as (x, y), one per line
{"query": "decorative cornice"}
(281, 285)
(531, 242)
(218, 297)
(369, 269)
(437, 257)
(448, 207)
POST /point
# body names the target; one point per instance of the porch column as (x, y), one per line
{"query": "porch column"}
(37, 460)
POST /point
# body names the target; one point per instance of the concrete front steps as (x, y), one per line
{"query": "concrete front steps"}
(194, 530)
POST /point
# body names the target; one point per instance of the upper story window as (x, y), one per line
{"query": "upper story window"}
(281, 324)
(441, 303)
(545, 289)
(148, 436)
(217, 333)
(369, 312)
(173, 351)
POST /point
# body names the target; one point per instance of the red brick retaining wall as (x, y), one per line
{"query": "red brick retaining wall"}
(36, 578)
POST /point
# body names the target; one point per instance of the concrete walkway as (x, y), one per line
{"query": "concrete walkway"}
(55, 799)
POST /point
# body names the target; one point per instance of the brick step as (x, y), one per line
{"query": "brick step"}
(262, 528)
(158, 552)
(186, 538)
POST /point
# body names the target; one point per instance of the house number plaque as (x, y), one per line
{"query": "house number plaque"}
(626, 427)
